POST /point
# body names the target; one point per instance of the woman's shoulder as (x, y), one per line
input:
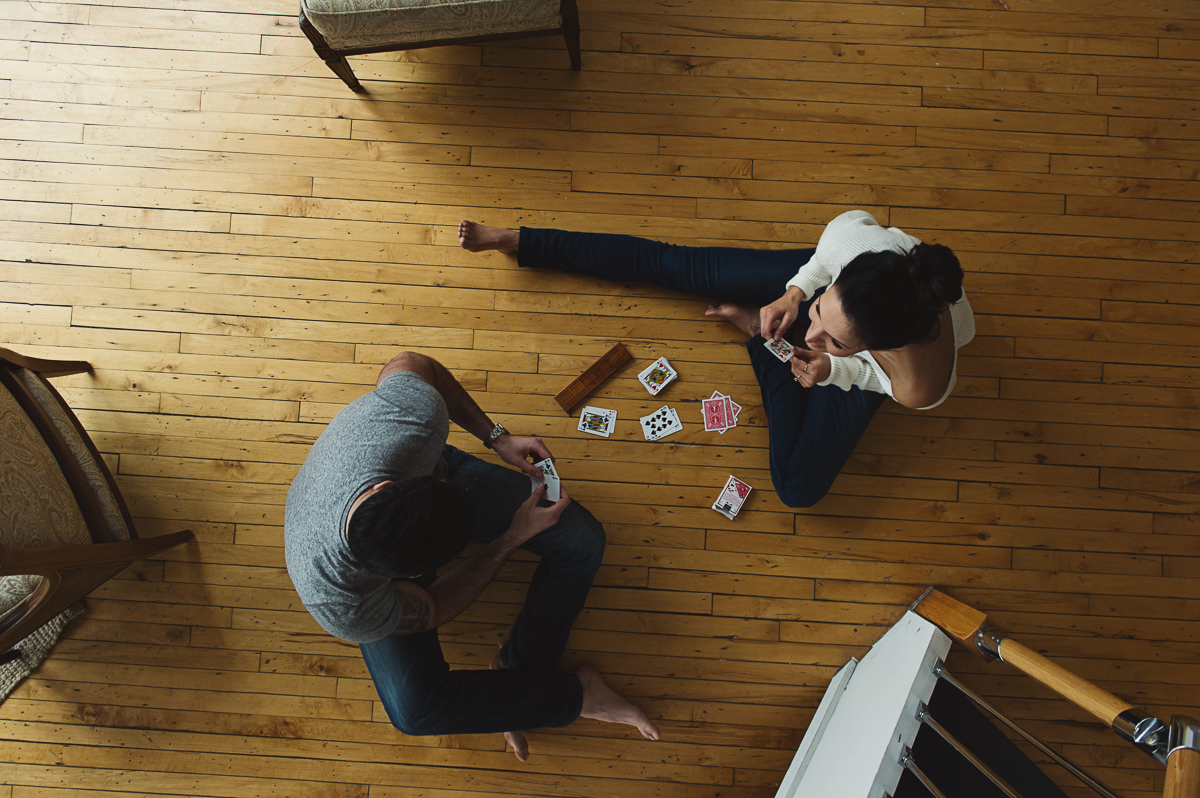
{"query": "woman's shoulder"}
(855, 232)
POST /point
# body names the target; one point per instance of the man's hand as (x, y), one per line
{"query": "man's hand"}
(456, 589)
(530, 519)
(809, 367)
(516, 451)
(776, 317)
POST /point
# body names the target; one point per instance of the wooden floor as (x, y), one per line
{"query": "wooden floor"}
(191, 201)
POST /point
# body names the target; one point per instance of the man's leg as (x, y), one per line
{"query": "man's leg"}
(423, 696)
(570, 552)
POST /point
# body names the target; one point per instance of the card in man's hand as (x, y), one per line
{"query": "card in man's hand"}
(732, 497)
(549, 476)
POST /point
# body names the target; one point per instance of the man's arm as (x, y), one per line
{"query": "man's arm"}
(465, 413)
(458, 588)
(463, 410)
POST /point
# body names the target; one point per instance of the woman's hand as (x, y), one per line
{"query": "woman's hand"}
(776, 317)
(530, 519)
(809, 367)
(515, 451)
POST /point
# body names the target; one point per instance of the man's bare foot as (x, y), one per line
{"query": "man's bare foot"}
(476, 237)
(601, 702)
(744, 317)
(516, 739)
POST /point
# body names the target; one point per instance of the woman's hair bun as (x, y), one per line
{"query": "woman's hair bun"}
(893, 299)
(937, 275)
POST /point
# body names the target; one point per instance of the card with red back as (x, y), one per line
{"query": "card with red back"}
(716, 414)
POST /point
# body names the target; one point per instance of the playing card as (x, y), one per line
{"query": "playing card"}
(656, 376)
(732, 497)
(780, 349)
(717, 406)
(550, 477)
(597, 421)
(661, 423)
(716, 414)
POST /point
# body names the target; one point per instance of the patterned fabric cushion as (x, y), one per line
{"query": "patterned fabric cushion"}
(350, 24)
(37, 507)
(113, 518)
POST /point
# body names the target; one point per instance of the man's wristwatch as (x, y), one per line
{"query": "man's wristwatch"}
(496, 432)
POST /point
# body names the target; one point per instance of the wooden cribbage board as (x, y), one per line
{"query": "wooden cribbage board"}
(587, 382)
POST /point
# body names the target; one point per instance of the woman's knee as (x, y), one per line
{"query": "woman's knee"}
(801, 493)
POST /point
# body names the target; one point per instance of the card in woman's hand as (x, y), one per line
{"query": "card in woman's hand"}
(780, 349)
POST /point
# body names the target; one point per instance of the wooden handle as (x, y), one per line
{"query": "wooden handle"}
(1101, 703)
(955, 618)
(1183, 774)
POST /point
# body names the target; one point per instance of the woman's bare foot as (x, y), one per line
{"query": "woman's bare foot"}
(520, 745)
(476, 237)
(601, 702)
(744, 317)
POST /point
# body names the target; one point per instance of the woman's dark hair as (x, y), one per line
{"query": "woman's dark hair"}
(894, 299)
(411, 527)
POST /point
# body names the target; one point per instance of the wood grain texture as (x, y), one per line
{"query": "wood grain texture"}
(193, 203)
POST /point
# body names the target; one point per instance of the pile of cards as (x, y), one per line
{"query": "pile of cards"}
(661, 423)
(720, 412)
(597, 421)
(656, 376)
(732, 497)
(549, 476)
(780, 349)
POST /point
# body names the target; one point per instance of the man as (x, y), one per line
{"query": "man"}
(382, 502)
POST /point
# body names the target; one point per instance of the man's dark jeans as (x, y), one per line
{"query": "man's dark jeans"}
(420, 692)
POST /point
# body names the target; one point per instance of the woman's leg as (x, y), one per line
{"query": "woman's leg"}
(756, 276)
(811, 431)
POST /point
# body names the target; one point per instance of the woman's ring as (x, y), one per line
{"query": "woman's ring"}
(806, 365)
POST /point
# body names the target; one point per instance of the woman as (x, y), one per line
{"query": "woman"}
(880, 313)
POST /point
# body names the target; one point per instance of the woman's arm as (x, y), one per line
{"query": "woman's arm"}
(853, 371)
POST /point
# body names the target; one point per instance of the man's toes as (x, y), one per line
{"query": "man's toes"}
(519, 745)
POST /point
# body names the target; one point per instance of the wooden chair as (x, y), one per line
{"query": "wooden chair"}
(338, 28)
(64, 528)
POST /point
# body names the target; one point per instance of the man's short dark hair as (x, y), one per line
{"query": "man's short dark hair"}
(411, 527)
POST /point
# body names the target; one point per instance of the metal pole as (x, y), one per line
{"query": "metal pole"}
(940, 671)
(924, 716)
(906, 759)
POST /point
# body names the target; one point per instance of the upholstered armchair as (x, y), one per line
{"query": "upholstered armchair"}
(64, 528)
(338, 28)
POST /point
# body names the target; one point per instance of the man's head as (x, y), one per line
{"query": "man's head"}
(408, 528)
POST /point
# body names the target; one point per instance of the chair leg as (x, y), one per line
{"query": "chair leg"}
(50, 559)
(338, 63)
(47, 368)
(570, 23)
